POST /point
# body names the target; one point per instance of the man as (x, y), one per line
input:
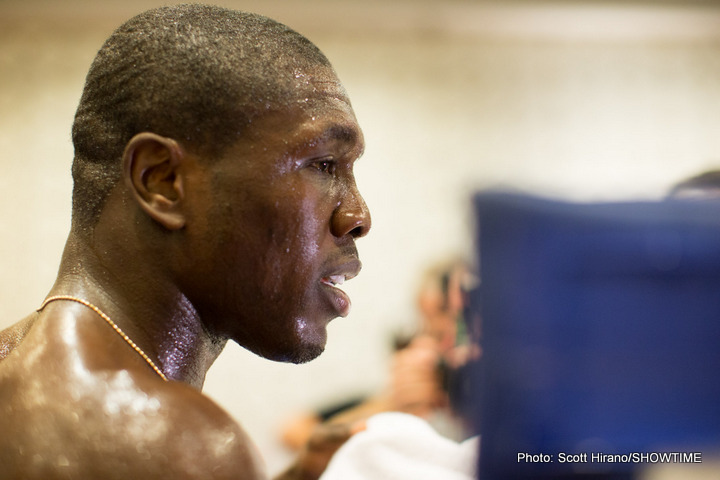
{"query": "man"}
(214, 199)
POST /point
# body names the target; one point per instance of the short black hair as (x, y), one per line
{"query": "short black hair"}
(196, 73)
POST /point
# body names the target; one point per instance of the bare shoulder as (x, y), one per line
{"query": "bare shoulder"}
(62, 419)
(13, 335)
(211, 443)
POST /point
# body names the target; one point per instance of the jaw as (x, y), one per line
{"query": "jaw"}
(307, 343)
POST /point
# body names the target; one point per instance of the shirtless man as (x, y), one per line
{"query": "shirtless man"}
(213, 199)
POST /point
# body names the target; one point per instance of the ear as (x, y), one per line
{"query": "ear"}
(151, 168)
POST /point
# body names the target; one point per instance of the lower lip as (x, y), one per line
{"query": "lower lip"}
(339, 299)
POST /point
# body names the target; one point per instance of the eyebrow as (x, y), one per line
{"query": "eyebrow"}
(343, 133)
(340, 132)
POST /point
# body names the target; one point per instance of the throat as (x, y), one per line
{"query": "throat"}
(186, 354)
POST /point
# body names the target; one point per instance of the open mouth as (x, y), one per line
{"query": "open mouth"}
(338, 298)
(334, 280)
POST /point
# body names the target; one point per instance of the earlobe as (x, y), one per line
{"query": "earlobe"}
(151, 168)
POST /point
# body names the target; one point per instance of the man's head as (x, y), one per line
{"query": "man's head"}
(195, 73)
(235, 143)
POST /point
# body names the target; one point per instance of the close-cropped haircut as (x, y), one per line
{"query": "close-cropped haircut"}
(196, 73)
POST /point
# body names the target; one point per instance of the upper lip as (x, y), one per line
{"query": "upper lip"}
(343, 270)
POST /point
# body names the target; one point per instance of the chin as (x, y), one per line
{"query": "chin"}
(300, 354)
(302, 349)
(308, 347)
(303, 342)
(310, 340)
(307, 354)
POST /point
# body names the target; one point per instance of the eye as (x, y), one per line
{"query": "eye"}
(325, 166)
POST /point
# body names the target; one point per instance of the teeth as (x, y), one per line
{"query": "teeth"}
(336, 279)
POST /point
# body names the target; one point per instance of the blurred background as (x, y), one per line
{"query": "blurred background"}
(587, 100)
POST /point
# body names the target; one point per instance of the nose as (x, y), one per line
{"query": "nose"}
(351, 217)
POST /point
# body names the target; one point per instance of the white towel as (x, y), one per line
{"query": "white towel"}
(398, 446)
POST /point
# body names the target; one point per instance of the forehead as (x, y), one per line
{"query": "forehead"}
(320, 94)
(318, 112)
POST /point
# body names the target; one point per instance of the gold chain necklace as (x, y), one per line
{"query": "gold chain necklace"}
(109, 322)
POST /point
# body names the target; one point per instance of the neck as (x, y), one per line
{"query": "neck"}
(151, 311)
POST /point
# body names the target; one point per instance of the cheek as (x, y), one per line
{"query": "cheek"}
(291, 254)
(274, 240)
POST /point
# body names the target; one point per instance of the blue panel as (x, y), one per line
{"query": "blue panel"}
(601, 333)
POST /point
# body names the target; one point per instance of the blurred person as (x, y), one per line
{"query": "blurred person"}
(213, 199)
(442, 343)
(423, 379)
(427, 430)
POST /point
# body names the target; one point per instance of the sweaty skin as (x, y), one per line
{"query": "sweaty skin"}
(188, 254)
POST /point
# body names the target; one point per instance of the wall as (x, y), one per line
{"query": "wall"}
(585, 100)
